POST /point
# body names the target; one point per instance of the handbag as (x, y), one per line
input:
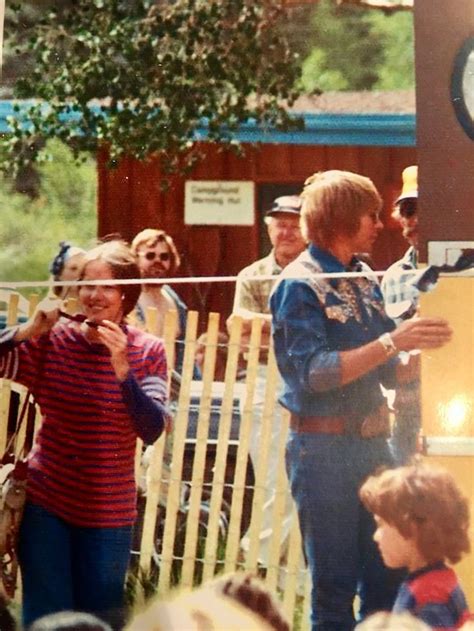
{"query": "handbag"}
(13, 479)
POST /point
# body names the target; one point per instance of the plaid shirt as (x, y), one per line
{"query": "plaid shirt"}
(254, 294)
(396, 287)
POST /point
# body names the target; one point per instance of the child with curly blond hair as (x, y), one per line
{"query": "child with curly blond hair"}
(422, 521)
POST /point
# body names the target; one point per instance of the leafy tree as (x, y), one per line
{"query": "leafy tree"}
(359, 49)
(141, 75)
(65, 209)
(396, 30)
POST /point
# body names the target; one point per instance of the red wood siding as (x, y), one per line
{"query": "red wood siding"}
(130, 199)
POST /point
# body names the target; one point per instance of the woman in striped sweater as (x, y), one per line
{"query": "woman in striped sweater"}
(99, 385)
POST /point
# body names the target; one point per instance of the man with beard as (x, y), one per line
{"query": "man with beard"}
(401, 301)
(157, 257)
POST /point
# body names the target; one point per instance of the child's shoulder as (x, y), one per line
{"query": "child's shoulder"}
(436, 595)
(432, 582)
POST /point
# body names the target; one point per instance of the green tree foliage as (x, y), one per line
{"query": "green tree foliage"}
(17, 32)
(359, 49)
(65, 210)
(396, 31)
(141, 75)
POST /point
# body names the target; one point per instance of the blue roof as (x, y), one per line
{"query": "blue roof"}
(377, 129)
(394, 130)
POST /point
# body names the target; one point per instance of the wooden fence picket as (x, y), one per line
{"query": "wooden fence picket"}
(234, 533)
(202, 544)
(211, 546)
(279, 508)
(199, 460)
(251, 561)
(155, 480)
(179, 437)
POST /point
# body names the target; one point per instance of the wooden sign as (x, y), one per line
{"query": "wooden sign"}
(220, 202)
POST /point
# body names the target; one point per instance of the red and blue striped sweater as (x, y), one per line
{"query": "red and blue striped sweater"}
(82, 465)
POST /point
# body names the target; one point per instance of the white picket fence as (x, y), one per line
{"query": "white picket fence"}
(199, 494)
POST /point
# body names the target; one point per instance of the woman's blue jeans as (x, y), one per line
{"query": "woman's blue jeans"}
(68, 567)
(325, 474)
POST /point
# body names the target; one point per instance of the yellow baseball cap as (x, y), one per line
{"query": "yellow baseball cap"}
(410, 183)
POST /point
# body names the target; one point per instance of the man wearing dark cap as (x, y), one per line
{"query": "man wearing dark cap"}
(251, 296)
(401, 302)
(252, 300)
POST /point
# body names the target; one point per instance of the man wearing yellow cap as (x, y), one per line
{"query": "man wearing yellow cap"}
(401, 302)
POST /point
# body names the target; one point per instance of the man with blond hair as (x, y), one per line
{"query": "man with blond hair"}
(158, 258)
(334, 346)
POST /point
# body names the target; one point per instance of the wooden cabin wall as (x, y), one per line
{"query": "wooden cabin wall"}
(130, 199)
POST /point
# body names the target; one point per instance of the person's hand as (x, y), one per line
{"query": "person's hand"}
(115, 339)
(43, 319)
(421, 333)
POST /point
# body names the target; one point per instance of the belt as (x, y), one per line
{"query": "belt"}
(318, 424)
(375, 424)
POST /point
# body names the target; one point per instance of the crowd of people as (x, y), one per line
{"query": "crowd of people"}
(342, 340)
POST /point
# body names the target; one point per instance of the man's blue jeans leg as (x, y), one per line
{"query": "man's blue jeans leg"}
(325, 474)
(67, 567)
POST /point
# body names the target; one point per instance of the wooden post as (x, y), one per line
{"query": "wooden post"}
(210, 554)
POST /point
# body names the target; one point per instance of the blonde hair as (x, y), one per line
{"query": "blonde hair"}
(150, 237)
(249, 591)
(201, 610)
(333, 203)
(66, 253)
(121, 261)
(422, 502)
(384, 621)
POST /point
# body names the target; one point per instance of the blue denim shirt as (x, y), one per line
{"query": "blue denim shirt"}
(316, 318)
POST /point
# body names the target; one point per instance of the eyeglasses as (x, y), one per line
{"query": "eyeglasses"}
(162, 256)
(407, 208)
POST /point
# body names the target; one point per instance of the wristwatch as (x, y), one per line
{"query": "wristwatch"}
(387, 342)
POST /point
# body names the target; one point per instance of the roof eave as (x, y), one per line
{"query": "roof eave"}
(369, 129)
(390, 130)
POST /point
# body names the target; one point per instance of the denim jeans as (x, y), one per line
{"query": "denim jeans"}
(68, 567)
(325, 473)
